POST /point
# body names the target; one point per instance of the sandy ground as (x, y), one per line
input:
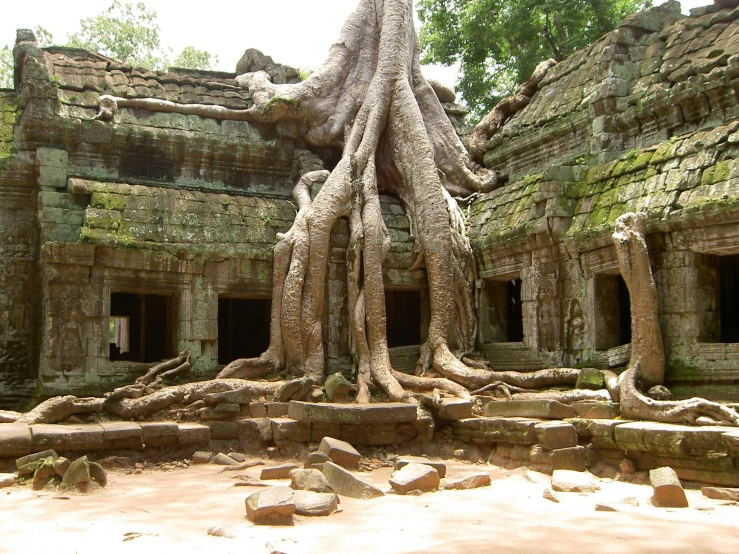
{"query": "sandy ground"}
(172, 511)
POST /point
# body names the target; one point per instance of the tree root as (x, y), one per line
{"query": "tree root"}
(9, 417)
(505, 109)
(170, 368)
(60, 408)
(565, 396)
(635, 405)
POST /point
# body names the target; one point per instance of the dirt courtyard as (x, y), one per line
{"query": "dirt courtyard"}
(172, 511)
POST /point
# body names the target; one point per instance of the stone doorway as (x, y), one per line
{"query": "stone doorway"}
(243, 327)
(729, 305)
(612, 312)
(403, 309)
(141, 327)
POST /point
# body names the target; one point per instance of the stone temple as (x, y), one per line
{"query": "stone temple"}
(127, 238)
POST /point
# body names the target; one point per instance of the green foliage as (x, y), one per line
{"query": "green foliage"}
(498, 43)
(193, 58)
(125, 32)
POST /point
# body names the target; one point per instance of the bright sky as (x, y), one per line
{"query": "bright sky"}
(293, 32)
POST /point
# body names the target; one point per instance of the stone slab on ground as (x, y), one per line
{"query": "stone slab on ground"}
(222, 459)
(202, 457)
(546, 409)
(272, 506)
(721, 493)
(15, 440)
(472, 480)
(668, 491)
(556, 434)
(309, 480)
(512, 430)
(193, 433)
(438, 465)
(340, 452)
(308, 503)
(278, 472)
(315, 458)
(344, 483)
(123, 435)
(26, 464)
(412, 477)
(77, 472)
(564, 480)
(572, 458)
(7, 480)
(98, 474)
(356, 414)
(159, 433)
(61, 466)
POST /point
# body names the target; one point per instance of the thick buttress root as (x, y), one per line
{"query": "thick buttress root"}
(647, 363)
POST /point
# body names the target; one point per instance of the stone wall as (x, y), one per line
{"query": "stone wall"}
(644, 120)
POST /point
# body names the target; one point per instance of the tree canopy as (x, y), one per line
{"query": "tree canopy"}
(498, 43)
(126, 32)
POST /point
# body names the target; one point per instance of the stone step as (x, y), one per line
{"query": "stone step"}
(548, 409)
(355, 414)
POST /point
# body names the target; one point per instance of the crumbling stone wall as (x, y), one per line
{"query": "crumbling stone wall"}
(646, 119)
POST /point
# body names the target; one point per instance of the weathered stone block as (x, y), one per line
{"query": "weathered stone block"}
(123, 435)
(159, 433)
(721, 493)
(413, 477)
(258, 409)
(320, 430)
(193, 433)
(340, 452)
(573, 481)
(286, 428)
(276, 409)
(497, 429)
(590, 378)
(345, 484)
(15, 440)
(256, 430)
(272, 506)
(455, 409)
(438, 465)
(308, 503)
(309, 480)
(547, 409)
(596, 410)
(556, 434)
(668, 491)
(278, 472)
(602, 433)
(389, 412)
(51, 165)
(466, 481)
(224, 430)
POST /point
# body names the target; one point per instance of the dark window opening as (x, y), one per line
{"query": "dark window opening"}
(140, 327)
(515, 311)
(624, 312)
(612, 312)
(243, 328)
(403, 309)
(729, 306)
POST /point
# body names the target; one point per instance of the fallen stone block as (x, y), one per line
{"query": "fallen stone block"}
(309, 503)
(27, 464)
(78, 472)
(238, 456)
(564, 480)
(222, 459)
(43, 474)
(61, 466)
(123, 435)
(337, 388)
(573, 458)
(309, 480)
(549, 495)
(159, 433)
(272, 506)
(414, 477)
(546, 409)
(553, 435)
(439, 466)
(7, 480)
(193, 433)
(15, 440)
(603, 507)
(340, 452)
(286, 392)
(98, 474)
(721, 493)
(315, 458)
(465, 482)
(668, 491)
(345, 484)
(278, 472)
(201, 457)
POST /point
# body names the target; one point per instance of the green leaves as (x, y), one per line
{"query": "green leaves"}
(498, 43)
(193, 58)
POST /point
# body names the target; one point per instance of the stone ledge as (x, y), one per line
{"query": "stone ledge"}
(356, 414)
(491, 429)
(15, 440)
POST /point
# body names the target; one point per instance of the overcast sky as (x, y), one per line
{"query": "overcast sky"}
(293, 32)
